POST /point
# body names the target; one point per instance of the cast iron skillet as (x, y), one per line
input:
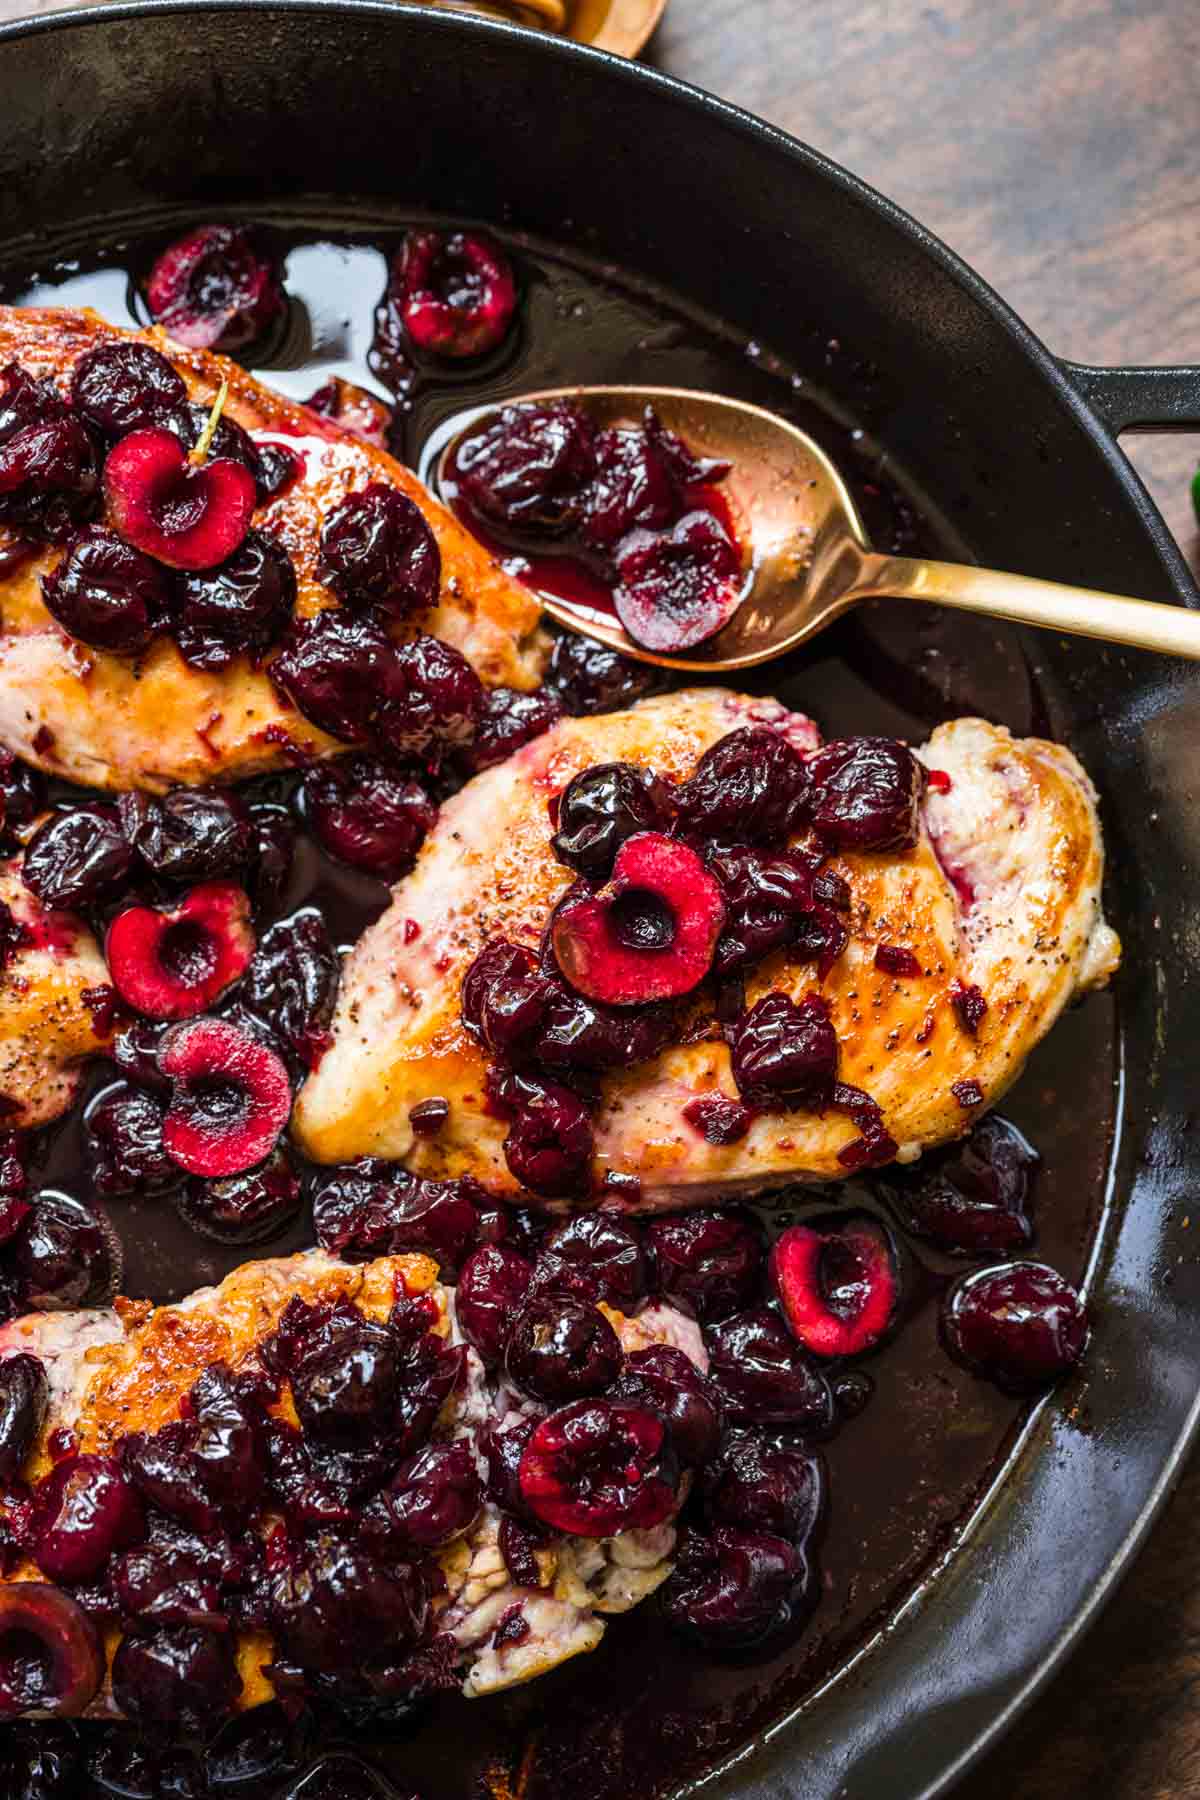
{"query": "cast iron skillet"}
(108, 112)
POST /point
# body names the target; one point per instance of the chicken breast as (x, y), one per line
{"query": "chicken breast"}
(153, 721)
(1001, 892)
(54, 997)
(130, 1368)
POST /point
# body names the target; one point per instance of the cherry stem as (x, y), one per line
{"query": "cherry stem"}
(203, 443)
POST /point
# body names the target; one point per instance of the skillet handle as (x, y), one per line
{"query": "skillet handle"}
(1139, 399)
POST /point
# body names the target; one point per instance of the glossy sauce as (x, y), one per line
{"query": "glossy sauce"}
(644, 1714)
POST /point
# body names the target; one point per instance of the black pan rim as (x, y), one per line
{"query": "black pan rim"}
(1057, 380)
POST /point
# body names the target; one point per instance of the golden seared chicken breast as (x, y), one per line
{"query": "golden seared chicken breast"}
(312, 1467)
(801, 960)
(55, 1004)
(110, 705)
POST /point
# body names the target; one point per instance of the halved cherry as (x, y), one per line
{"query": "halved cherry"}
(213, 290)
(50, 1659)
(650, 934)
(456, 294)
(676, 588)
(355, 409)
(596, 1468)
(178, 508)
(230, 1097)
(173, 963)
(837, 1283)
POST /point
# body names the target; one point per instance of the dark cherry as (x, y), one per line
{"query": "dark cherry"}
(505, 997)
(134, 1050)
(785, 1055)
(436, 698)
(710, 1261)
(40, 1761)
(491, 1286)
(763, 1486)
(163, 1467)
(866, 794)
(455, 294)
(561, 1349)
(588, 677)
(631, 488)
(550, 1142)
(227, 1444)
(122, 387)
(262, 1745)
(24, 1399)
(63, 1256)
(192, 834)
(503, 1449)
(665, 1382)
(749, 788)
(292, 983)
(50, 1656)
(733, 1590)
(272, 851)
(838, 1283)
(49, 472)
(509, 720)
(373, 1208)
(377, 551)
(22, 797)
(338, 668)
(1021, 1325)
(719, 1120)
(122, 1144)
(580, 1033)
(106, 593)
(83, 1510)
(334, 1604)
(355, 409)
(432, 1498)
(369, 814)
(594, 1256)
(766, 898)
(344, 1390)
(214, 289)
(122, 1765)
(603, 806)
(275, 468)
(761, 1376)
(596, 1468)
(245, 1209)
(677, 588)
(179, 1679)
(79, 857)
(973, 1196)
(239, 608)
(164, 1584)
(528, 467)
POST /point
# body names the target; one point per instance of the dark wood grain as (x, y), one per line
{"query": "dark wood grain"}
(1054, 144)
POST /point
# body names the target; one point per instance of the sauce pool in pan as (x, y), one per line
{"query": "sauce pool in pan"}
(918, 1439)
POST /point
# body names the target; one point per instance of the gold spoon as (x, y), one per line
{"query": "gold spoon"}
(810, 557)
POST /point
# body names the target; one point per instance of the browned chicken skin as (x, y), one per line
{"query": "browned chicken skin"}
(153, 722)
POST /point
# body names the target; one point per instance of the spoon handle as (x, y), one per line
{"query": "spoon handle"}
(1173, 629)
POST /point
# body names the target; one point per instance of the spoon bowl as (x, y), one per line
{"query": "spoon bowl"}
(809, 557)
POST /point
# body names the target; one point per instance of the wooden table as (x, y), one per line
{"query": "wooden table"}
(1054, 144)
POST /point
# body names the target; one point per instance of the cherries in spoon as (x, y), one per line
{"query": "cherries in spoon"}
(810, 560)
